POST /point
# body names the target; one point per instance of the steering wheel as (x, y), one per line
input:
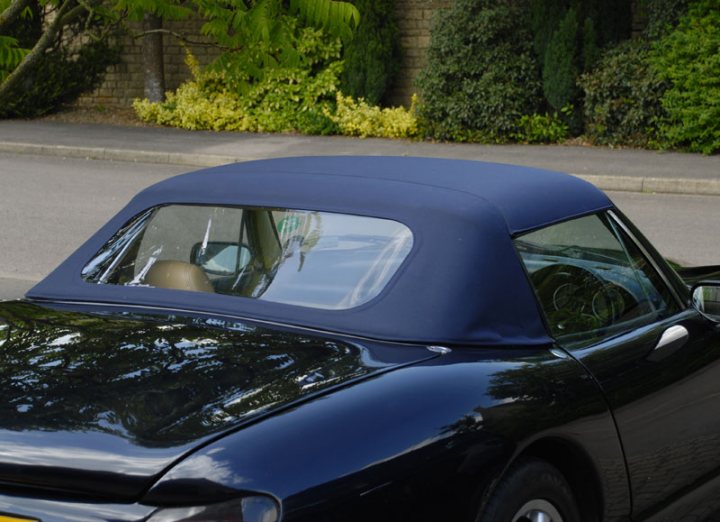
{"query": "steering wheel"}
(574, 299)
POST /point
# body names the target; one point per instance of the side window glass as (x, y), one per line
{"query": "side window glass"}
(591, 280)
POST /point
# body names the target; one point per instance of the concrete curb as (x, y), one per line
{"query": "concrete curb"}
(136, 156)
(692, 186)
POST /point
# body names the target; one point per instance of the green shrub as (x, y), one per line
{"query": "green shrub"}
(622, 97)
(542, 128)
(689, 58)
(662, 16)
(358, 118)
(569, 36)
(372, 57)
(481, 74)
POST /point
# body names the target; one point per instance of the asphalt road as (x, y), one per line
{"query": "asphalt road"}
(49, 206)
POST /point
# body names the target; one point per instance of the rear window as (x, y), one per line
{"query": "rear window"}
(314, 259)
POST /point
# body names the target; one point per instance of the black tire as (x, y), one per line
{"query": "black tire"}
(529, 487)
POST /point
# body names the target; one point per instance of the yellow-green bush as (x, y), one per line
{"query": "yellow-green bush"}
(543, 128)
(286, 99)
(358, 118)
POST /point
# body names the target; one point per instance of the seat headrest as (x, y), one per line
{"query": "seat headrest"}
(179, 276)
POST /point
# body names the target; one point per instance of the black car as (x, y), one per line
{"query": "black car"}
(363, 339)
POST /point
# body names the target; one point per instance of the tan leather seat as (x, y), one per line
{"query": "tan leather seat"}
(179, 276)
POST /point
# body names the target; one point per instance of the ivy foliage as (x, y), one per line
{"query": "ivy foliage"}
(689, 59)
(372, 57)
(481, 75)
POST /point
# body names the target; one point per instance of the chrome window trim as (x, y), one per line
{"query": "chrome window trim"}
(616, 219)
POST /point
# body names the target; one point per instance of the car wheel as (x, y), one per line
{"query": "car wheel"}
(531, 491)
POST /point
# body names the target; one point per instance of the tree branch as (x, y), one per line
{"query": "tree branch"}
(77, 11)
(31, 59)
(9, 15)
(184, 38)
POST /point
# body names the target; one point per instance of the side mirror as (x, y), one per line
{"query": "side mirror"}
(220, 258)
(706, 298)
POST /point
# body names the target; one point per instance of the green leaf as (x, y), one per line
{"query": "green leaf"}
(10, 54)
(338, 18)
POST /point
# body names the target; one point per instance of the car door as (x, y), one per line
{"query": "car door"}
(657, 360)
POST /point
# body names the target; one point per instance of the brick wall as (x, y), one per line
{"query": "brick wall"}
(415, 23)
(124, 82)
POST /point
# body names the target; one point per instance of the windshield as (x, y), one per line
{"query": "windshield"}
(307, 258)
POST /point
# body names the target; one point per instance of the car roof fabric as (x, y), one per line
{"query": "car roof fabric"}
(462, 283)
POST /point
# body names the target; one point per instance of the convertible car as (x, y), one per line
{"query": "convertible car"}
(363, 339)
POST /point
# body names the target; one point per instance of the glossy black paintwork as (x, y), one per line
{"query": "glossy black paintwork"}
(101, 404)
(418, 443)
(666, 405)
(406, 434)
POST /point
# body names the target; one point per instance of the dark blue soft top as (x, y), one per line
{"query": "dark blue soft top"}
(463, 282)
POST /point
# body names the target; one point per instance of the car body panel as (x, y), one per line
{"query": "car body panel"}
(99, 405)
(436, 432)
(666, 405)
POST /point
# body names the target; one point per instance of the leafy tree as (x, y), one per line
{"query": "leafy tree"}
(235, 25)
(62, 72)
